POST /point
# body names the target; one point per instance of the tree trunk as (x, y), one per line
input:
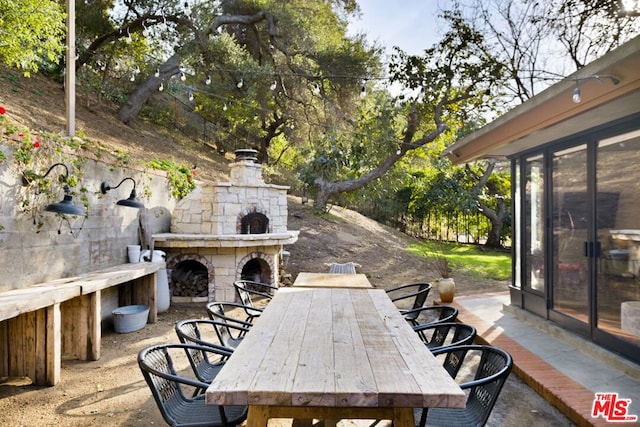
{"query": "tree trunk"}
(495, 218)
(132, 106)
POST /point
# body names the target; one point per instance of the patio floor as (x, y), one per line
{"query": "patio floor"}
(563, 368)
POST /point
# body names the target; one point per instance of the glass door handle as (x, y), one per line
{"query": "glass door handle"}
(592, 249)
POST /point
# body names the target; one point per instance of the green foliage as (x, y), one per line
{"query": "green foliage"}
(471, 259)
(31, 33)
(180, 177)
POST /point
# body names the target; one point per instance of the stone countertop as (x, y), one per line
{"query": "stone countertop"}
(175, 240)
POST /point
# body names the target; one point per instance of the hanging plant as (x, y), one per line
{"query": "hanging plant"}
(181, 178)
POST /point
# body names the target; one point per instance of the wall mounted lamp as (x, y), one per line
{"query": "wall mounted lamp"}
(65, 206)
(576, 92)
(131, 202)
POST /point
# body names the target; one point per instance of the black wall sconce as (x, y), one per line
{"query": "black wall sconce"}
(65, 206)
(131, 202)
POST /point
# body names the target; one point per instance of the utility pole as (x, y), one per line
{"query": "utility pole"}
(70, 74)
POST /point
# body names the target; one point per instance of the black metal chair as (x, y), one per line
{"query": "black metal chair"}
(437, 335)
(487, 367)
(416, 291)
(205, 364)
(229, 330)
(169, 390)
(343, 268)
(431, 314)
(254, 295)
(229, 311)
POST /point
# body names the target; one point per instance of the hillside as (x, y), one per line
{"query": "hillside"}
(39, 104)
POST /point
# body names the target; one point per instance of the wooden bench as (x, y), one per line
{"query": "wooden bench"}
(41, 322)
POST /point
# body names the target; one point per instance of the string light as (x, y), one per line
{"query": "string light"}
(208, 81)
(190, 96)
(128, 39)
(183, 76)
(576, 95)
(161, 88)
(316, 89)
(157, 73)
(274, 85)
(240, 84)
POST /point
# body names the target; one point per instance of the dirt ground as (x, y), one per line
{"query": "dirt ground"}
(111, 391)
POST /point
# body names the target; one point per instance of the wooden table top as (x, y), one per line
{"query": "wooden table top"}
(333, 347)
(329, 280)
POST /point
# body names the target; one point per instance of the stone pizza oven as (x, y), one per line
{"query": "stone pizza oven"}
(224, 232)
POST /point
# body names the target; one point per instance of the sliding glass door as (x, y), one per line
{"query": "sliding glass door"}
(578, 220)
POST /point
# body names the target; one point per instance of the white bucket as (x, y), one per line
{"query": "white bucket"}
(133, 252)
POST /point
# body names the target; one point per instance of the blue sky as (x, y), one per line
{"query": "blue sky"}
(409, 24)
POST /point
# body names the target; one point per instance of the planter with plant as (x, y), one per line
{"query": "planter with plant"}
(446, 284)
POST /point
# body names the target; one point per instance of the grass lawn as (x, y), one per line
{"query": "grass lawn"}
(481, 261)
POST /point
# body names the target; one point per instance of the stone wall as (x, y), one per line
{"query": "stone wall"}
(44, 246)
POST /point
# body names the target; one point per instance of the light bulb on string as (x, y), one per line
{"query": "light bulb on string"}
(161, 88)
(208, 81)
(157, 73)
(363, 92)
(224, 107)
(274, 85)
(316, 89)
(190, 96)
(576, 95)
(240, 84)
(183, 76)
(132, 78)
(128, 39)
(398, 152)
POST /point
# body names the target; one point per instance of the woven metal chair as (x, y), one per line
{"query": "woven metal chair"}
(229, 330)
(205, 364)
(343, 268)
(485, 369)
(444, 334)
(169, 390)
(235, 313)
(418, 292)
(254, 295)
(431, 314)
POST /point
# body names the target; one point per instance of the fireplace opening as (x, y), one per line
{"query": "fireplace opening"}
(256, 270)
(254, 223)
(190, 279)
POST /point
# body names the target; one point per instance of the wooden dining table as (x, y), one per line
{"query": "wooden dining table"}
(332, 280)
(331, 354)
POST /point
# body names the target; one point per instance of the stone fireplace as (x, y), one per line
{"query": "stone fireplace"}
(224, 232)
